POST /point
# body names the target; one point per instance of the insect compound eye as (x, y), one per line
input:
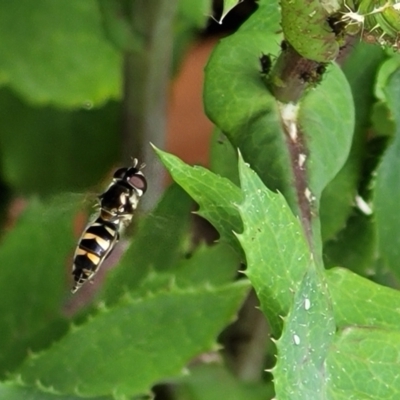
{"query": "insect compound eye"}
(120, 173)
(138, 181)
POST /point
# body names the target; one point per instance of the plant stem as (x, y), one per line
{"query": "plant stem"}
(146, 80)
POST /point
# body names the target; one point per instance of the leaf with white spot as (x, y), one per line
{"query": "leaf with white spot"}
(306, 339)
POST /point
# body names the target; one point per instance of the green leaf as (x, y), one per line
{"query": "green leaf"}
(306, 28)
(157, 246)
(15, 391)
(223, 157)
(276, 250)
(387, 188)
(117, 26)
(33, 257)
(305, 342)
(126, 349)
(216, 265)
(326, 117)
(358, 301)
(70, 151)
(338, 197)
(217, 197)
(214, 382)
(194, 12)
(238, 102)
(59, 54)
(382, 122)
(362, 359)
(359, 360)
(355, 246)
(209, 265)
(363, 362)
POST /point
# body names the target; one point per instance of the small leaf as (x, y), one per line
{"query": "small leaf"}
(126, 349)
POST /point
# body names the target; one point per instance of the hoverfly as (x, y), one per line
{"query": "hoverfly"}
(116, 207)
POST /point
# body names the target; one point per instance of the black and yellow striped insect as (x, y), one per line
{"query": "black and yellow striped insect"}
(116, 207)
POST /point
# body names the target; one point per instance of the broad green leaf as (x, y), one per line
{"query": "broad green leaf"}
(217, 197)
(238, 102)
(358, 301)
(46, 150)
(354, 247)
(363, 362)
(306, 28)
(16, 391)
(338, 197)
(307, 335)
(214, 382)
(359, 360)
(157, 246)
(56, 53)
(387, 188)
(126, 349)
(33, 259)
(276, 250)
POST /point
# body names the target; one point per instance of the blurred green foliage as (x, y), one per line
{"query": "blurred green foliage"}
(315, 186)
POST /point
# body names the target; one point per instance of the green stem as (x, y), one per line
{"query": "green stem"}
(147, 75)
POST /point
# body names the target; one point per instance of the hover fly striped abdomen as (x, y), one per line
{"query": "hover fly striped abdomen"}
(99, 238)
